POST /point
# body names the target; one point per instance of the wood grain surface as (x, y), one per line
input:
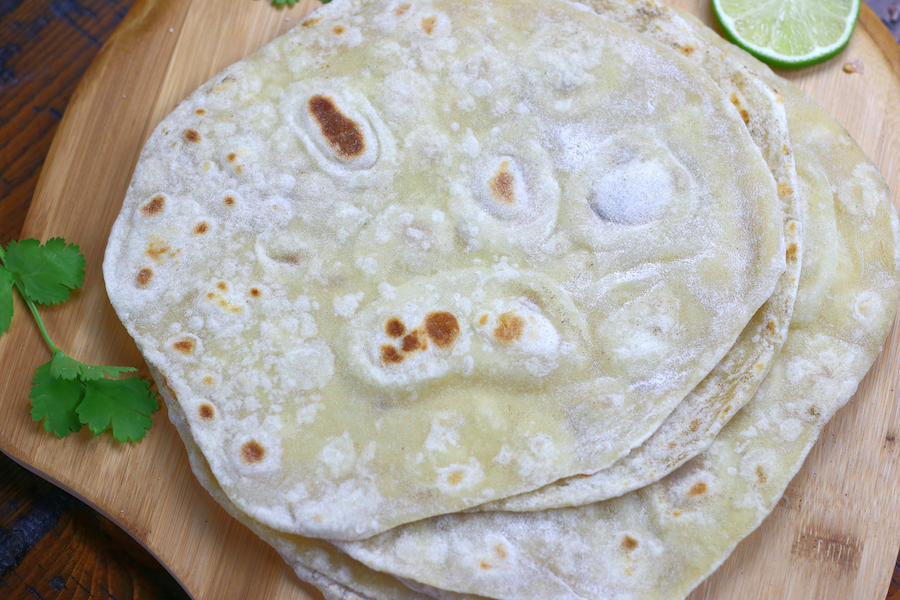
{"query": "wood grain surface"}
(835, 536)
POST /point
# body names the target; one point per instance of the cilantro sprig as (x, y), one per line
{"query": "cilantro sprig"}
(66, 393)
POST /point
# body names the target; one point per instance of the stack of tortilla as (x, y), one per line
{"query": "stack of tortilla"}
(501, 299)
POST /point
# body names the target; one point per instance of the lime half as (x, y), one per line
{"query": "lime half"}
(788, 33)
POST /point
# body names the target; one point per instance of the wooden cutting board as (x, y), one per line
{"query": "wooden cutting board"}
(835, 534)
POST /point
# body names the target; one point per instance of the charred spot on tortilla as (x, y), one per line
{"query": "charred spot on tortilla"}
(501, 185)
(698, 489)
(144, 276)
(252, 452)
(414, 341)
(185, 346)
(428, 24)
(192, 135)
(206, 412)
(510, 327)
(343, 134)
(394, 327)
(390, 355)
(154, 207)
(442, 327)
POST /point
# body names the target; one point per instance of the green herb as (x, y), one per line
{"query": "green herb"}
(66, 393)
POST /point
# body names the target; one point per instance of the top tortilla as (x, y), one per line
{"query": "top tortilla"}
(371, 313)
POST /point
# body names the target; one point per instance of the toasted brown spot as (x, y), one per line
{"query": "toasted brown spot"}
(207, 412)
(206, 165)
(394, 327)
(760, 474)
(784, 189)
(629, 543)
(771, 326)
(144, 276)
(185, 346)
(344, 135)
(208, 380)
(414, 341)
(793, 226)
(228, 201)
(510, 327)
(201, 228)
(390, 355)
(442, 327)
(222, 286)
(191, 135)
(485, 565)
(231, 157)
(310, 22)
(785, 149)
(676, 513)
(252, 452)
(154, 207)
(791, 253)
(200, 112)
(760, 367)
(744, 115)
(428, 24)
(672, 445)
(778, 98)
(698, 489)
(814, 411)
(695, 424)
(500, 551)
(686, 50)
(401, 9)
(238, 168)
(156, 250)
(255, 292)
(501, 185)
(455, 477)
(210, 296)
(338, 29)
(483, 320)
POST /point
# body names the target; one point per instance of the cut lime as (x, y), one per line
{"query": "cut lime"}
(788, 33)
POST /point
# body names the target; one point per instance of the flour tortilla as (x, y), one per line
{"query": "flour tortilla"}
(372, 314)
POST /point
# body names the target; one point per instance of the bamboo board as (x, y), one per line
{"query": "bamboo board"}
(834, 535)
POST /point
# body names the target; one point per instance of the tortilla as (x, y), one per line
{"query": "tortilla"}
(660, 541)
(372, 314)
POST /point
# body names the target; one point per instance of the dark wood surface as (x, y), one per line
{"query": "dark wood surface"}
(51, 544)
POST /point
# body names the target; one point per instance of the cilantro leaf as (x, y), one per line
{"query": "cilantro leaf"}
(55, 401)
(6, 299)
(47, 273)
(63, 366)
(123, 403)
(66, 367)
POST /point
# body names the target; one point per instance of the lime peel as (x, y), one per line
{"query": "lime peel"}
(789, 34)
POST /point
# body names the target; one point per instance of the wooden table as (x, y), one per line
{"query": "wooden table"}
(52, 545)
